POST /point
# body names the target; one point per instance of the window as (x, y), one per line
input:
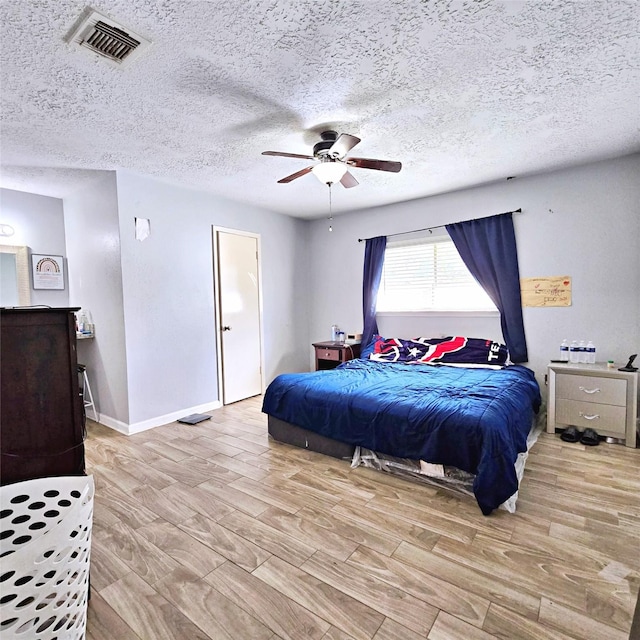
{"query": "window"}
(428, 274)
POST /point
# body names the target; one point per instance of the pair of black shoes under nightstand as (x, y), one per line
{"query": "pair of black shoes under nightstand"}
(587, 437)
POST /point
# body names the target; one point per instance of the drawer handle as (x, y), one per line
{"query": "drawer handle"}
(596, 390)
(595, 416)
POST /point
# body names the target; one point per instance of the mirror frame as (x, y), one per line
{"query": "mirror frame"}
(22, 272)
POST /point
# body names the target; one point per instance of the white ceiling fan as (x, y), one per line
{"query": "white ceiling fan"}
(333, 163)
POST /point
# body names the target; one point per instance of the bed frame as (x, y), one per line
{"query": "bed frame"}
(297, 436)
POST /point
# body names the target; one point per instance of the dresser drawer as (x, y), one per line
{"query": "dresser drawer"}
(328, 354)
(592, 389)
(605, 417)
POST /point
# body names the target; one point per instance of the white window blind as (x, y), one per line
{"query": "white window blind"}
(428, 274)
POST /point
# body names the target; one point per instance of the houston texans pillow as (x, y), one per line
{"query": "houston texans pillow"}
(450, 350)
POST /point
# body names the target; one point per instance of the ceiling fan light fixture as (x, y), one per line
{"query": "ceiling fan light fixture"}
(333, 164)
(329, 171)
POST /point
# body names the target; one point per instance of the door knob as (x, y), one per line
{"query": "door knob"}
(226, 328)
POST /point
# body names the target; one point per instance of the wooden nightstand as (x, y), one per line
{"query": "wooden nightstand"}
(330, 354)
(591, 395)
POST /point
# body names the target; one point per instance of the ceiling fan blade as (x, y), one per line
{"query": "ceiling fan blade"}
(286, 155)
(343, 145)
(370, 163)
(348, 181)
(297, 174)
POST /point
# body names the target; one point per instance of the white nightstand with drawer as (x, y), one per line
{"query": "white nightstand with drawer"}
(591, 395)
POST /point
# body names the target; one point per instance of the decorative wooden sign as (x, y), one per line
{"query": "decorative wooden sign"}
(48, 271)
(554, 291)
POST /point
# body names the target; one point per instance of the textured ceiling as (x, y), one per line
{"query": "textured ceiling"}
(461, 93)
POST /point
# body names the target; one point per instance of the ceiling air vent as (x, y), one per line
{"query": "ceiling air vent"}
(107, 38)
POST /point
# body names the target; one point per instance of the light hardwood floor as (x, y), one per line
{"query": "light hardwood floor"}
(216, 531)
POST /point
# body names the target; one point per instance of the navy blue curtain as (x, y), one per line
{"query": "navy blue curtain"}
(373, 261)
(488, 248)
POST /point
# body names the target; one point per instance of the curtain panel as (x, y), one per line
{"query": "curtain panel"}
(372, 274)
(488, 248)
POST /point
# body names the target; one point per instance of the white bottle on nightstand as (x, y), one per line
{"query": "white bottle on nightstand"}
(574, 354)
(582, 351)
(591, 353)
(564, 351)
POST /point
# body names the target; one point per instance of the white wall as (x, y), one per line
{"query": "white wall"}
(154, 353)
(168, 293)
(152, 301)
(583, 222)
(39, 224)
(95, 284)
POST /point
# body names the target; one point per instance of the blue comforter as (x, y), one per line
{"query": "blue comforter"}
(474, 419)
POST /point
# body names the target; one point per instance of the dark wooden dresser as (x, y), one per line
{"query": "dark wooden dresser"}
(41, 410)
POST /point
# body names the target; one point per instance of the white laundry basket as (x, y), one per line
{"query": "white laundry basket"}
(45, 531)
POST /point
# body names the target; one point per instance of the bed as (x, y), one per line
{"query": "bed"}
(475, 417)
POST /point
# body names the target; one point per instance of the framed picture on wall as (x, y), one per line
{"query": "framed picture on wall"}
(48, 271)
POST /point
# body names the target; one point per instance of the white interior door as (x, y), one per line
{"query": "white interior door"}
(239, 321)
